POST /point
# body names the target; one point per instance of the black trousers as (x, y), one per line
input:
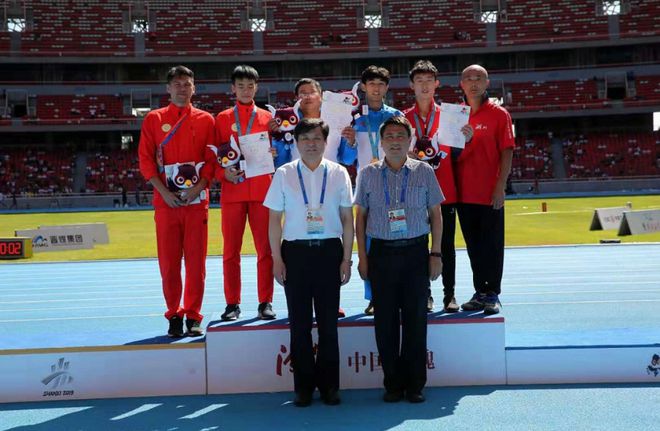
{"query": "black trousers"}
(448, 249)
(313, 280)
(399, 281)
(483, 230)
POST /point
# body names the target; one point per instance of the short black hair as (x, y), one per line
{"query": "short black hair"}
(375, 72)
(423, 66)
(305, 81)
(308, 124)
(397, 120)
(244, 71)
(178, 72)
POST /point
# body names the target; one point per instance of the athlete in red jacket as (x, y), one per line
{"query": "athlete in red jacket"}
(175, 159)
(243, 198)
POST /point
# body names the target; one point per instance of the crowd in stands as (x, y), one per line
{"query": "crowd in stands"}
(36, 172)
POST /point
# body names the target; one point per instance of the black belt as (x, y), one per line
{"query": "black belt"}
(312, 242)
(399, 242)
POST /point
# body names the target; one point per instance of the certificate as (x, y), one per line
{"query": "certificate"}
(258, 158)
(452, 119)
(336, 110)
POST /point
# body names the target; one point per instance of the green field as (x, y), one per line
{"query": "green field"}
(132, 233)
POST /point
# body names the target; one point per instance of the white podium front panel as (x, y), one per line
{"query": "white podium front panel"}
(255, 357)
(103, 372)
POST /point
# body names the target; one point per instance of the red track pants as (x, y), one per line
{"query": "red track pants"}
(182, 232)
(233, 226)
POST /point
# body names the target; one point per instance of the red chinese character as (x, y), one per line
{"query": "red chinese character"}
(429, 360)
(374, 361)
(355, 360)
(282, 361)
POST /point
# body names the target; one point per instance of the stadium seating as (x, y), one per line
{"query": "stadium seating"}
(612, 155)
(110, 171)
(421, 24)
(555, 95)
(642, 20)
(209, 27)
(36, 171)
(540, 22)
(303, 26)
(532, 159)
(89, 28)
(75, 109)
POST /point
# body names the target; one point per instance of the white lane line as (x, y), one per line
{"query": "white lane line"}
(143, 408)
(127, 316)
(50, 301)
(203, 411)
(94, 307)
(616, 301)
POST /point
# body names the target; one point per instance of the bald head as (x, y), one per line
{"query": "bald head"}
(474, 69)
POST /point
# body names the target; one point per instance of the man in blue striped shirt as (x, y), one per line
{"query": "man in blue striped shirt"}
(398, 205)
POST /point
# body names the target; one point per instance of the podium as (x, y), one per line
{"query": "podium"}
(253, 356)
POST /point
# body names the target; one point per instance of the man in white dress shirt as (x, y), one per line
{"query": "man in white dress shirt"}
(312, 250)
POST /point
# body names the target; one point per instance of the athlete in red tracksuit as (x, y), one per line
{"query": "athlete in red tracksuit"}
(175, 159)
(243, 198)
(425, 118)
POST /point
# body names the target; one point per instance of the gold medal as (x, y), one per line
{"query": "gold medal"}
(166, 127)
(374, 160)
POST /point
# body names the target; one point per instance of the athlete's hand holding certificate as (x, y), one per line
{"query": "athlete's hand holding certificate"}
(258, 158)
(452, 119)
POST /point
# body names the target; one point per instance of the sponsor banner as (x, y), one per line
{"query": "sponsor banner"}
(607, 218)
(117, 372)
(449, 360)
(636, 222)
(54, 239)
(626, 364)
(98, 231)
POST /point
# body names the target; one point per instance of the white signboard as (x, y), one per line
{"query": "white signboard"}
(55, 239)
(97, 373)
(607, 218)
(98, 231)
(636, 222)
(259, 359)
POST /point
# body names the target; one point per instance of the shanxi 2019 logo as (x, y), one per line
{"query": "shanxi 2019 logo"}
(59, 377)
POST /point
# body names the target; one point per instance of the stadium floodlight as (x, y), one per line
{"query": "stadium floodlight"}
(489, 17)
(656, 121)
(15, 25)
(611, 7)
(373, 20)
(140, 25)
(257, 24)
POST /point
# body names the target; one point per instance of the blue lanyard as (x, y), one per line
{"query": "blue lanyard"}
(403, 186)
(302, 184)
(159, 151)
(239, 129)
(373, 141)
(429, 125)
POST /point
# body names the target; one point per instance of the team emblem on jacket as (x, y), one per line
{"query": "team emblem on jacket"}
(166, 127)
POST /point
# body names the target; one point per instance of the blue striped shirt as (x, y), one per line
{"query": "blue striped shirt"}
(422, 193)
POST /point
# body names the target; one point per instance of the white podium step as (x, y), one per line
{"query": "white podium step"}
(253, 356)
(103, 372)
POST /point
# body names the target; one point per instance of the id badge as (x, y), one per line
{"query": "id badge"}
(397, 220)
(314, 222)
